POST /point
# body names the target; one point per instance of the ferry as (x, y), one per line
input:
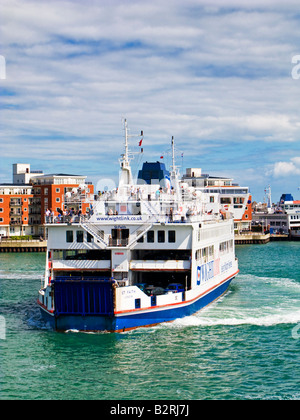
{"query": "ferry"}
(149, 251)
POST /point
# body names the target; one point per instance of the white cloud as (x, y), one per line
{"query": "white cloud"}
(208, 75)
(283, 169)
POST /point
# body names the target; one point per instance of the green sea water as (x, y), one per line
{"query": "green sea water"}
(244, 346)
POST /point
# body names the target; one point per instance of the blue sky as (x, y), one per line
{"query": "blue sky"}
(218, 78)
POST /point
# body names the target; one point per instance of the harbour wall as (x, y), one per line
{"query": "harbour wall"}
(33, 245)
(260, 238)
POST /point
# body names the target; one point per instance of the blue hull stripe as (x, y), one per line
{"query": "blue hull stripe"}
(133, 320)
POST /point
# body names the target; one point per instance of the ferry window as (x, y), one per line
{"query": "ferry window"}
(69, 235)
(225, 200)
(150, 236)
(161, 236)
(79, 236)
(140, 240)
(171, 236)
(89, 237)
(211, 199)
(137, 303)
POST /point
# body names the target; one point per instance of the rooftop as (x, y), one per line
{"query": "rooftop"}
(49, 175)
(15, 185)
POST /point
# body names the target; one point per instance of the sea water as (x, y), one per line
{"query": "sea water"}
(243, 346)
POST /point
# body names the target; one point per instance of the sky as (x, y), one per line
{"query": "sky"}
(222, 77)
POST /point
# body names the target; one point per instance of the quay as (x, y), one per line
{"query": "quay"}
(21, 245)
(251, 238)
(260, 238)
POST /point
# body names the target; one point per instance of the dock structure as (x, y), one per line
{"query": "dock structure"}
(251, 238)
(33, 245)
(259, 238)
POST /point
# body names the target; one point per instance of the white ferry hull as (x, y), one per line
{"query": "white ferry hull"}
(128, 320)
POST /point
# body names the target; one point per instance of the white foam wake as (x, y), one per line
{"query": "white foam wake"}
(252, 300)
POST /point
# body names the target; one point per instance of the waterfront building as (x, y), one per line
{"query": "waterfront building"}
(16, 203)
(25, 202)
(283, 218)
(222, 191)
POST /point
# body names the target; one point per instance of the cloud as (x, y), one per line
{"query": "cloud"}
(215, 77)
(284, 169)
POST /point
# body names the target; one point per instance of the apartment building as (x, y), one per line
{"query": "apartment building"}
(24, 202)
(15, 208)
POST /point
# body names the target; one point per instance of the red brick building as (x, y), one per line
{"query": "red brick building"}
(15, 208)
(23, 203)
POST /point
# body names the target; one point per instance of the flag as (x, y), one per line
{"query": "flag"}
(140, 142)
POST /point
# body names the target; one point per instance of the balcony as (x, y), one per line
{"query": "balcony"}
(17, 202)
(15, 213)
(16, 222)
(118, 242)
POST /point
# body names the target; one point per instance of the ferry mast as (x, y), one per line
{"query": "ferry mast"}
(126, 175)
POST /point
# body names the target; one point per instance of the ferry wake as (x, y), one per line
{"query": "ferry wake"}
(150, 251)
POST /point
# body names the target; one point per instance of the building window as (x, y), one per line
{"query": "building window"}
(150, 236)
(46, 191)
(1, 210)
(69, 236)
(1, 220)
(171, 236)
(57, 200)
(57, 190)
(79, 236)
